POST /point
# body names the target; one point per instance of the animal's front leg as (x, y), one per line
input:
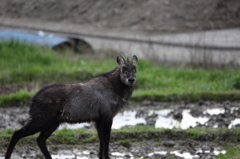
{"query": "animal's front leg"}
(104, 132)
(100, 152)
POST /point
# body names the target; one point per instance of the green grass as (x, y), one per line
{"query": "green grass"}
(156, 95)
(232, 153)
(127, 136)
(21, 97)
(23, 64)
(180, 80)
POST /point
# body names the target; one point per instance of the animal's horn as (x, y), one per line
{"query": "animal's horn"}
(123, 58)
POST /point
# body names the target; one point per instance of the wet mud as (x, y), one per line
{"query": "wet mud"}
(223, 114)
(177, 149)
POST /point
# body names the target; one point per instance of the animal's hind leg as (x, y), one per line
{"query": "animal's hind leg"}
(27, 130)
(41, 140)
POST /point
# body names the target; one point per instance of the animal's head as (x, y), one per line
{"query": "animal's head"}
(128, 70)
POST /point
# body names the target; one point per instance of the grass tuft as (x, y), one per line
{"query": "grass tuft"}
(21, 97)
(233, 153)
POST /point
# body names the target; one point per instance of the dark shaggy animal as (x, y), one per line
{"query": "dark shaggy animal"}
(98, 100)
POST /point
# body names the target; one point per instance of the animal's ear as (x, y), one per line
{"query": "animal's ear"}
(134, 59)
(119, 60)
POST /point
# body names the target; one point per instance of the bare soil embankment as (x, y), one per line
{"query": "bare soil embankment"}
(151, 16)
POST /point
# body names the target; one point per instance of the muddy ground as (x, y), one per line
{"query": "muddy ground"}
(17, 116)
(142, 149)
(151, 16)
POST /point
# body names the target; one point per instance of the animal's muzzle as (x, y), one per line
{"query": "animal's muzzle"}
(131, 80)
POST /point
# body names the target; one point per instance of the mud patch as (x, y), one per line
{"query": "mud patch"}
(13, 118)
(217, 114)
(160, 115)
(178, 149)
(184, 116)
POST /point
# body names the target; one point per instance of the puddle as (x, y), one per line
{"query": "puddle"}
(120, 120)
(187, 121)
(163, 120)
(126, 118)
(234, 122)
(214, 111)
(65, 157)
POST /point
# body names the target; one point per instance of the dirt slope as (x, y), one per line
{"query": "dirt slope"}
(152, 16)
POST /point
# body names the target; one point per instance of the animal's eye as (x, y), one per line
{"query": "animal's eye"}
(134, 69)
(124, 70)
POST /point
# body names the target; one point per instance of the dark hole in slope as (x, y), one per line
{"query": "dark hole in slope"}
(77, 45)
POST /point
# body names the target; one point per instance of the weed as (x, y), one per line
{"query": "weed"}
(236, 83)
(91, 139)
(125, 143)
(158, 144)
